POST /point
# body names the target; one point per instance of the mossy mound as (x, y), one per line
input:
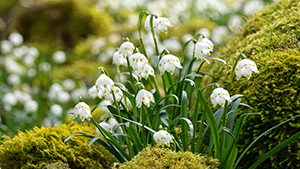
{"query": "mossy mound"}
(44, 147)
(270, 38)
(155, 157)
(60, 24)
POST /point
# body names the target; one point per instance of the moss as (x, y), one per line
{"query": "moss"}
(270, 38)
(44, 147)
(156, 157)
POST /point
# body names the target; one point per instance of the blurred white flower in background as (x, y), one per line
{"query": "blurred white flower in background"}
(172, 44)
(114, 38)
(19, 52)
(219, 33)
(204, 31)
(29, 60)
(33, 51)
(6, 46)
(235, 22)
(56, 109)
(54, 90)
(14, 79)
(59, 57)
(16, 39)
(63, 97)
(31, 106)
(45, 66)
(13, 67)
(10, 99)
(69, 84)
(77, 93)
(31, 72)
(97, 45)
(252, 6)
(47, 122)
(22, 96)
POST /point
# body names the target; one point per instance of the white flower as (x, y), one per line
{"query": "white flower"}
(218, 96)
(144, 72)
(113, 122)
(105, 84)
(10, 99)
(31, 106)
(16, 39)
(127, 49)
(203, 47)
(94, 93)
(83, 111)
(106, 127)
(168, 63)
(163, 137)
(147, 22)
(14, 79)
(63, 97)
(119, 59)
(145, 97)
(69, 84)
(245, 68)
(59, 57)
(56, 109)
(45, 66)
(6, 46)
(138, 60)
(117, 92)
(161, 25)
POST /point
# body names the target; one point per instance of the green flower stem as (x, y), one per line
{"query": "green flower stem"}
(131, 153)
(156, 86)
(140, 32)
(130, 70)
(153, 34)
(145, 112)
(118, 71)
(200, 145)
(178, 145)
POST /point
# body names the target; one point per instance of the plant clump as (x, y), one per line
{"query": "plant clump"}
(270, 38)
(45, 148)
(156, 157)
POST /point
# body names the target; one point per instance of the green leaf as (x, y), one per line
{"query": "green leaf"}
(184, 126)
(218, 59)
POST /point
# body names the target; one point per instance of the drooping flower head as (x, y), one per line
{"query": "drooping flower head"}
(94, 93)
(203, 47)
(126, 49)
(169, 63)
(83, 111)
(218, 96)
(138, 60)
(161, 24)
(245, 68)
(145, 97)
(119, 59)
(117, 92)
(163, 137)
(105, 84)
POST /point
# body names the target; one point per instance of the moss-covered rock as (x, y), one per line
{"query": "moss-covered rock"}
(44, 147)
(270, 38)
(156, 157)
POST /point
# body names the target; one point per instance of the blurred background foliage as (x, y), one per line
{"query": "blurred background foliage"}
(51, 49)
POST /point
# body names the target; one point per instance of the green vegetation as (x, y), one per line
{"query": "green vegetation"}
(156, 157)
(44, 147)
(270, 38)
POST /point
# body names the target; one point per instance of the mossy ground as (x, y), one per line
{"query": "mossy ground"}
(45, 147)
(270, 38)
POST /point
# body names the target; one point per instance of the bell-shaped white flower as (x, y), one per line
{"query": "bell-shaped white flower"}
(117, 92)
(105, 84)
(119, 59)
(161, 24)
(94, 93)
(138, 60)
(218, 96)
(144, 72)
(163, 137)
(127, 49)
(169, 63)
(106, 127)
(83, 111)
(145, 97)
(245, 68)
(203, 47)
(147, 22)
